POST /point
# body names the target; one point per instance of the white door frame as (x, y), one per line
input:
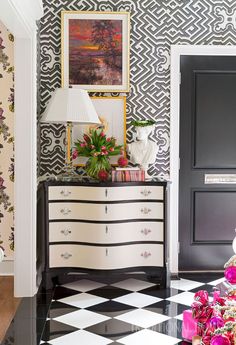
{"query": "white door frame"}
(20, 18)
(176, 52)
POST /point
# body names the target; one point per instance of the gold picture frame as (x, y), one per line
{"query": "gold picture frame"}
(95, 49)
(112, 110)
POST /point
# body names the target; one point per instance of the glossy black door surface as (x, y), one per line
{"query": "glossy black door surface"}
(207, 212)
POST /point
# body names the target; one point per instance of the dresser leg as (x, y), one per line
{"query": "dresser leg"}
(158, 278)
(163, 284)
(47, 282)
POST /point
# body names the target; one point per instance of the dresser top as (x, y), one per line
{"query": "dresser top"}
(102, 184)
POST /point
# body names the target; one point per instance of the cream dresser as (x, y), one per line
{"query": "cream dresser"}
(84, 227)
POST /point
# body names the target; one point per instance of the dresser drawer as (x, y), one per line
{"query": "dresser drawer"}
(103, 212)
(106, 233)
(115, 257)
(106, 193)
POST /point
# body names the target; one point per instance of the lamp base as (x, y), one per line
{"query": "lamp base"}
(69, 172)
(68, 176)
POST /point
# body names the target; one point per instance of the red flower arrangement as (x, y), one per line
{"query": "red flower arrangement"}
(98, 148)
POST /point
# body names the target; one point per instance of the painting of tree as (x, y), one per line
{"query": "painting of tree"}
(103, 35)
(95, 50)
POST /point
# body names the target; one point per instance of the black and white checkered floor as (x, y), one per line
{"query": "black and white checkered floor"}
(129, 311)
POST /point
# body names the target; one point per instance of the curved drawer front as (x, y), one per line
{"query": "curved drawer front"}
(103, 212)
(106, 193)
(105, 233)
(136, 255)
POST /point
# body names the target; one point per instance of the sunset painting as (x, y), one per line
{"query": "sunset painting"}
(95, 52)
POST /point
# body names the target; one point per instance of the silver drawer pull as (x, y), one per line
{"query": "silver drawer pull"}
(66, 255)
(65, 211)
(66, 232)
(106, 209)
(145, 192)
(145, 255)
(65, 192)
(146, 231)
(106, 229)
(145, 210)
(106, 192)
(106, 252)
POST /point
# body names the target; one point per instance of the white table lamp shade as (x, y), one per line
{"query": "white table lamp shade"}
(70, 105)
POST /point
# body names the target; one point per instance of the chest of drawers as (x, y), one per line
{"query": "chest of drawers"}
(103, 227)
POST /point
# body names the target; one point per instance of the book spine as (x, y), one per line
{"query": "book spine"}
(128, 175)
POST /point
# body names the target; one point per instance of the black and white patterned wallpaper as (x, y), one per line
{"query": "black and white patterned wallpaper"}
(155, 25)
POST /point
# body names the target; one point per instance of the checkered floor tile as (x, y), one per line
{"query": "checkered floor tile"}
(125, 312)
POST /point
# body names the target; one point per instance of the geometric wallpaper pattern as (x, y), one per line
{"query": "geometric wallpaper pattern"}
(155, 25)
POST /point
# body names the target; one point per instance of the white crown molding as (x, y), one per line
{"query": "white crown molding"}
(20, 16)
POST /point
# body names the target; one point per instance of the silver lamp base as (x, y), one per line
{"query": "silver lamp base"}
(68, 175)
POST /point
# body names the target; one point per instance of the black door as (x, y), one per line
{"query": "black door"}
(207, 211)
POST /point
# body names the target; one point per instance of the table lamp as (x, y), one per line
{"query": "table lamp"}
(70, 106)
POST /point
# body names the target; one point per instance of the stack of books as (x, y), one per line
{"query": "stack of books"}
(128, 174)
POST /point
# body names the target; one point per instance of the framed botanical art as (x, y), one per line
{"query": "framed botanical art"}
(112, 114)
(95, 50)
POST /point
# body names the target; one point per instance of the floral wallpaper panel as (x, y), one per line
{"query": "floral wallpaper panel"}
(6, 142)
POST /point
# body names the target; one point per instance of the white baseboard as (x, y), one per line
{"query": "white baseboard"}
(7, 268)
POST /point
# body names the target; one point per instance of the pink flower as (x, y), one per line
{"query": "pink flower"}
(103, 148)
(95, 154)
(106, 153)
(102, 134)
(75, 154)
(83, 144)
(103, 175)
(103, 153)
(108, 140)
(86, 137)
(92, 147)
(111, 149)
(122, 161)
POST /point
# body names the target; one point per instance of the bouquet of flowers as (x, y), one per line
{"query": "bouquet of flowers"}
(98, 148)
(216, 320)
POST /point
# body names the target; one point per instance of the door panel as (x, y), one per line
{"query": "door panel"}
(207, 213)
(213, 216)
(214, 112)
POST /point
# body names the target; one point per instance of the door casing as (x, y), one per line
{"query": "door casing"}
(20, 18)
(175, 79)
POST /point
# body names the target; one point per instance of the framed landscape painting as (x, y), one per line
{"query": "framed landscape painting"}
(95, 50)
(112, 114)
